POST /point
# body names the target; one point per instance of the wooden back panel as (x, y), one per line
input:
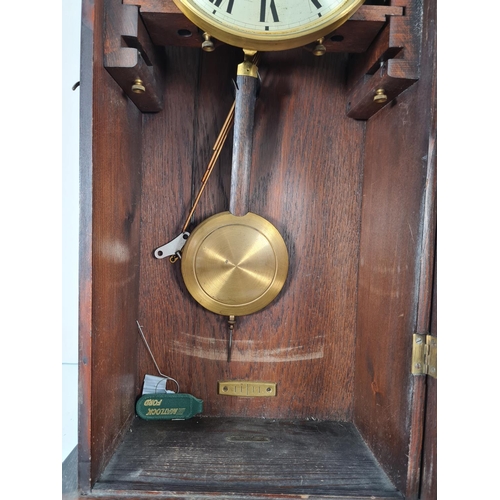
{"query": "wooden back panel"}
(306, 180)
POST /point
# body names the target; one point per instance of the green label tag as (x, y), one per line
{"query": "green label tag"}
(168, 406)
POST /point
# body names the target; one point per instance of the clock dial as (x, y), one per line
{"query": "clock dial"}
(268, 24)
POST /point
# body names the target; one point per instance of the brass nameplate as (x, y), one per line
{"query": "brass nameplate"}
(245, 389)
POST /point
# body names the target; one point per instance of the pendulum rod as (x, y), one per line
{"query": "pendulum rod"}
(231, 322)
(247, 82)
(217, 148)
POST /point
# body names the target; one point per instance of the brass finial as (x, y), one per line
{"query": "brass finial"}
(207, 45)
(138, 87)
(320, 49)
(380, 96)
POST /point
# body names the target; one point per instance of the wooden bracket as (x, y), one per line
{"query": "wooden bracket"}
(131, 58)
(356, 35)
(389, 66)
(167, 25)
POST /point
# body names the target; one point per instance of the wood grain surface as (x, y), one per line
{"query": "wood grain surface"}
(241, 165)
(428, 486)
(395, 274)
(246, 456)
(306, 180)
(109, 232)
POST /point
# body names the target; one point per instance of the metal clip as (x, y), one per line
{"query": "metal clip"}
(172, 247)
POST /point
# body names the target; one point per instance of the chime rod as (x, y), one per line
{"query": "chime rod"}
(221, 139)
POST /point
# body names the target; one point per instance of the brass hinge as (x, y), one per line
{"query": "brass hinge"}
(424, 356)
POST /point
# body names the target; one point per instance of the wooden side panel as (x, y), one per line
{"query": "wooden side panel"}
(395, 276)
(305, 179)
(85, 249)
(392, 193)
(428, 483)
(429, 464)
(110, 255)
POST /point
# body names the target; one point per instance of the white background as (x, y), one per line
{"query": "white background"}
(39, 243)
(71, 10)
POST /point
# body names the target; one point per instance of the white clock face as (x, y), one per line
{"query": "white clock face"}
(267, 20)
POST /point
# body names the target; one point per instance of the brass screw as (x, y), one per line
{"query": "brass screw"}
(418, 366)
(207, 45)
(380, 96)
(225, 389)
(138, 87)
(269, 389)
(320, 49)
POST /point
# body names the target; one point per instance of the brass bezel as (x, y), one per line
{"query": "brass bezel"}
(192, 276)
(270, 40)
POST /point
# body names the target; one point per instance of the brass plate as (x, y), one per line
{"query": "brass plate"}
(234, 266)
(242, 388)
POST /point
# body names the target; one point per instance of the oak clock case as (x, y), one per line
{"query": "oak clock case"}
(348, 183)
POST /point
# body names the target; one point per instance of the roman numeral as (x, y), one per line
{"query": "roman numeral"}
(230, 4)
(263, 10)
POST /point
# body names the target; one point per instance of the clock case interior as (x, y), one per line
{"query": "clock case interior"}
(350, 184)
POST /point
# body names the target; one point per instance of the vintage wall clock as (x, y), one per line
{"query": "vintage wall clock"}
(268, 24)
(355, 203)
